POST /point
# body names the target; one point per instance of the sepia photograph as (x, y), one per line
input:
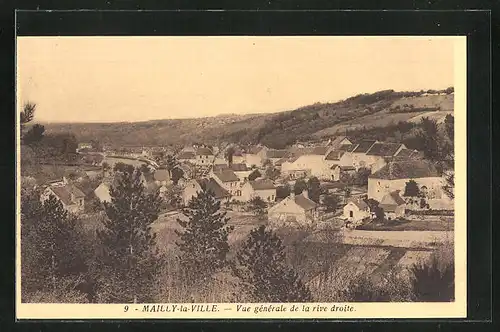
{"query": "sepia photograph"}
(251, 177)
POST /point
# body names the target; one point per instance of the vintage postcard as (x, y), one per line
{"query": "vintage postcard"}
(241, 177)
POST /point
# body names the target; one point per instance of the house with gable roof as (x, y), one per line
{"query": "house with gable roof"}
(204, 156)
(396, 174)
(356, 210)
(256, 155)
(193, 187)
(295, 210)
(359, 158)
(229, 181)
(379, 153)
(70, 196)
(265, 189)
(393, 205)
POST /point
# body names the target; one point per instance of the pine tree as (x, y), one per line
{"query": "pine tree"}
(128, 258)
(260, 264)
(51, 249)
(204, 238)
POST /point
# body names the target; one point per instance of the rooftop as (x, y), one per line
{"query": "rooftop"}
(226, 175)
(262, 184)
(409, 169)
(384, 149)
(364, 146)
(65, 193)
(305, 202)
(213, 186)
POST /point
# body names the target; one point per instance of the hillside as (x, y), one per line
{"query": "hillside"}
(276, 129)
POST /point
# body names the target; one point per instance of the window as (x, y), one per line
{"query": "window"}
(351, 214)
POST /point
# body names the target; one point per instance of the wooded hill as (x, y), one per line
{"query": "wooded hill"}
(313, 122)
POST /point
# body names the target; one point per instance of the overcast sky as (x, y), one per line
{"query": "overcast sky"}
(107, 79)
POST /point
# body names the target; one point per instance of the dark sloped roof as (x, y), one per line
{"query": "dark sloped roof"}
(262, 184)
(186, 155)
(64, 193)
(347, 168)
(336, 142)
(255, 149)
(405, 153)
(335, 155)
(364, 146)
(213, 186)
(276, 153)
(204, 152)
(347, 147)
(304, 202)
(384, 149)
(233, 167)
(226, 175)
(409, 169)
(319, 150)
(359, 203)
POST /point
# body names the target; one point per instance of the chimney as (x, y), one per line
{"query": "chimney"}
(305, 193)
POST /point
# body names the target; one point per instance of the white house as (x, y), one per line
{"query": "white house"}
(229, 181)
(393, 205)
(161, 177)
(264, 189)
(308, 162)
(356, 210)
(396, 174)
(295, 210)
(256, 155)
(377, 155)
(193, 187)
(358, 155)
(71, 197)
(187, 156)
(204, 156)
(102, 192)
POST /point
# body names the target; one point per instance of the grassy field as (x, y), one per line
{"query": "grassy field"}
(425, 224)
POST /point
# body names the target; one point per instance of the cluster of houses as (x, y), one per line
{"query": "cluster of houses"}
(391, 166)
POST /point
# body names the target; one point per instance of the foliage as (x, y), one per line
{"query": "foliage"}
(128, 258)
(52, 249)
(449, 186)
(261, 265)
(258, 206)
(432, 283)
(254, 175)
(429, 137)
(34, 135)
(272, 173)
(314, 189)
(299, 187)
(411, 189)
(28, 113)
(171, 163)
(283, 191)
(331, 202)
(379, 213)
(123, 168)
(229, 153)
(203, 241)
(173, 196)
(361, 176)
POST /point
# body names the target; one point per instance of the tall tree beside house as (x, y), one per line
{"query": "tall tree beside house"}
(203, 239)
(429, 138)
(53, 261)
(299, 187)
(331, 202)
(261, 266)
(128, 261)
(411, 189)
(177, 174)
(228, 154)
(171, 163)
(258, 206)
(27, 114)
(314, 189)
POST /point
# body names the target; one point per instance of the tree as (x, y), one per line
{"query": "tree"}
(299, 187)
(272, 173)
(260, 264)
(258, 206)
(171, 163)
(331, 202)
(430, 283)
(254, 175)
(27, 114)
(51, 249)
(173, 196)
(379, 213)
(145, 170)
(449, 185)
(361, 177)
(177, 174)
(283, 191)
(449, 125)
(34, 135)
(203, 241)
(314, 189)
(411, 189)
(123, 168)
(129, 254)
(228, 154)
(429, 137)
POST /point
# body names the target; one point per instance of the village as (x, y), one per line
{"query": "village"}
(340, 182)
